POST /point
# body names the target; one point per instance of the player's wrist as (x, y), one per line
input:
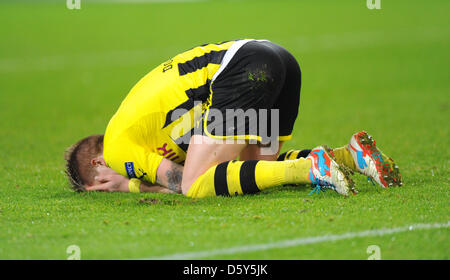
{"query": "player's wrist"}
(134, 185)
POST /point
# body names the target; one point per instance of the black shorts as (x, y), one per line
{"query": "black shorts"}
(257, 94)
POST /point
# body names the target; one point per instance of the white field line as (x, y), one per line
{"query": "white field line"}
(316, 43)
(299, 242)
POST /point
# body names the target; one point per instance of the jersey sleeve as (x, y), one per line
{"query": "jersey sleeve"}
(133, 161)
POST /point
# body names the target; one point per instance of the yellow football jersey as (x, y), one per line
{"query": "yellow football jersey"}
(148, 125)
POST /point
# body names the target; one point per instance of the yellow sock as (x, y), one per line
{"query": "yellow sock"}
(344, 157)
(245, 177)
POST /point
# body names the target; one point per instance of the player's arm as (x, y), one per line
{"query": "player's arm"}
(155, 173)
(146, 170)
(111, 181)
(169, 174)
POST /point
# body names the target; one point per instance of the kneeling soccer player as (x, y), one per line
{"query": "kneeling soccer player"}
(180, 129)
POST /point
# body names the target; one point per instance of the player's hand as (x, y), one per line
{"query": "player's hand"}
(108, 180)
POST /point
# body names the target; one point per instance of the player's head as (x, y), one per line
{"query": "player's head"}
(82, 161)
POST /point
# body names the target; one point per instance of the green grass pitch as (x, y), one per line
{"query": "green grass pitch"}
(63, 73)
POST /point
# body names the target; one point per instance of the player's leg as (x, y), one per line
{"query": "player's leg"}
(363, 156)
(210, 170)
(344, 157)
(203, 153)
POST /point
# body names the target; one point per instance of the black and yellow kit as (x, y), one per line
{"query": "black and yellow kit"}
(174, 100)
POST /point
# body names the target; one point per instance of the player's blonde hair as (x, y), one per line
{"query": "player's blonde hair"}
(78, 157)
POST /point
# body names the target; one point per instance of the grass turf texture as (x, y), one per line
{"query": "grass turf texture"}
(64, 73)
